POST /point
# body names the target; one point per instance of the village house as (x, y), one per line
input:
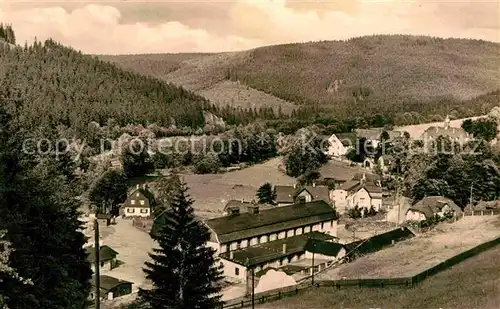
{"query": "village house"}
(285, 195)
(139, 203)
(373, 135)
(364, 192)
(111, 288)
(107, 257)
(339, 144)
(288, 195)
(271, 237)
(457, 135)
(431, 206)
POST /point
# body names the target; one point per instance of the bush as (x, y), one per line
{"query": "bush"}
(206, 164)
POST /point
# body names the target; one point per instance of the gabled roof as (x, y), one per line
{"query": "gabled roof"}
(327, 248)
(430, 205)
(273, 250)
(246, 225)
(317, 192)
(140, 194)
(453, 133)
(105, 254)
(107, 283)
(347, 139)
(285, 194)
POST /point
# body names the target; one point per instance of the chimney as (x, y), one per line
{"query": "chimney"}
(231, 255)
(137, 186)
(284, 248)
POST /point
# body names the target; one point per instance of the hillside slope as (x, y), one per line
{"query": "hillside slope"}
(376, 74)
(60, 86)
(473, 283)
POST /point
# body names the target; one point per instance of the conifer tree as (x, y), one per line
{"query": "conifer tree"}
(183, 269)
(41, 224)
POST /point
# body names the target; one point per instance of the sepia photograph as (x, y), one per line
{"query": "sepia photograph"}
(259, 154)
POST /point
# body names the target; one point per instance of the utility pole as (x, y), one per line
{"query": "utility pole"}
(312, 269)
(97, 262)
(470, 201)
(253, 288)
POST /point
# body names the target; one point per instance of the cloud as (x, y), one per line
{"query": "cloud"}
(116, 28)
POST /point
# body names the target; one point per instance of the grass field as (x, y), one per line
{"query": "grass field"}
(410, 257)
(471, 284)
(211, 192)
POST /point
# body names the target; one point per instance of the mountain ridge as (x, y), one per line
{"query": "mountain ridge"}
(386, 74)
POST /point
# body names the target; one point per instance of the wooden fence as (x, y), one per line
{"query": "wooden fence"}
(408, 282)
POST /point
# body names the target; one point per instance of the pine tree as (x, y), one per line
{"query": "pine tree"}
(183, 270)
(266, 194)
(41, 224)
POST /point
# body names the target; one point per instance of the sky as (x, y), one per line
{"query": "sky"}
(146, 26)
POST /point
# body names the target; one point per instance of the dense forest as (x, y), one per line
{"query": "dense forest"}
(372, 80)
(7, 34)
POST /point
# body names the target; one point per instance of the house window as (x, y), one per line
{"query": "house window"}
(132, 202)
(137, 194)
(236, 271)
(238, 245)
(281, 262)
(221, 265)
(142, 202)
(102, 264)
(144, 211)
(322, 225)
(130, 210)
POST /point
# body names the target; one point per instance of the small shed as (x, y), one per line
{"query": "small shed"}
(111, 287)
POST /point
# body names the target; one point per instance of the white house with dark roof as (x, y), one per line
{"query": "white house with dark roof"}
(456, 135)
(431, 206)
(271, 237)
(313, 193)
(138, 203)
(364, 192)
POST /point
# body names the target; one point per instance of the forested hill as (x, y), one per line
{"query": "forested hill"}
(405, 78)
(60, 86)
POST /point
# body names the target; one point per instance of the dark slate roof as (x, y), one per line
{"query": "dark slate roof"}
(140, 194)
(347, 139)
(273, 250)
(327, 248)
(246, 225)
(430, 205)
(244, 205)
(285, 194)
(368, 176)
(317, 192)
(453, 133)
(354, 186)
(378, 242)
(105, 254)
(108, 283)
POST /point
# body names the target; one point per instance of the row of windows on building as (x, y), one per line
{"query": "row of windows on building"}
(132, 202)
(278, 263)
(142, 210)
(275, 236)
